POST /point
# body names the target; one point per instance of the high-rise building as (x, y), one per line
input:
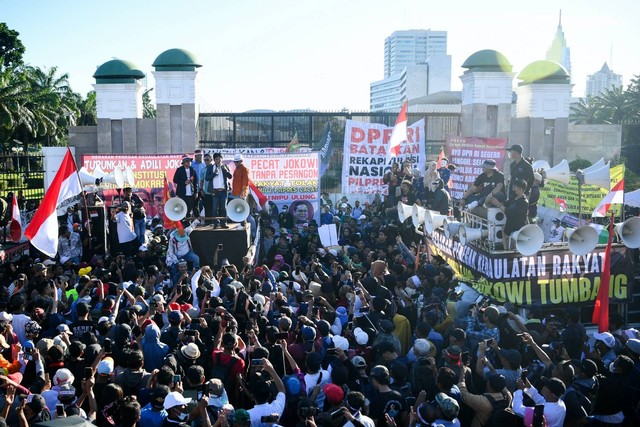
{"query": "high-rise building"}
(602, 80)
(411, 47)
(558, 51)
(416, 64)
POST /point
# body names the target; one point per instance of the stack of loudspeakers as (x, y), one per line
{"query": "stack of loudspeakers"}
(496, 219)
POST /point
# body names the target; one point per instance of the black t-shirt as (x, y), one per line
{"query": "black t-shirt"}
(81, 326)
(517, 213)
(390, 402)
(522, 170)
(485, 183)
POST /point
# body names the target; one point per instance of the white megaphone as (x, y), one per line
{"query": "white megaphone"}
(582, 240)
(417, 215)
(433, 220)
(559, 172)
(237, 210)
(600, 177)
(629, 232)
(529, 239)
(597, 165)
(404, 211)
(115, 178)
(129, 177)
(451, 227)
(540, 164)
(87, 179)
(175, 209)
(98, 172)
(468, 234)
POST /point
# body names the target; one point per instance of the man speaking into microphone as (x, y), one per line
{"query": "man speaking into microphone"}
(216, 190)
(185, 179)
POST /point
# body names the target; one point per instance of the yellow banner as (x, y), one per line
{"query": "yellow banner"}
(591, 194)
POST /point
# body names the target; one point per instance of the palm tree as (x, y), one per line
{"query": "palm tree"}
(88, 110)
(586, 112)
(614, 104)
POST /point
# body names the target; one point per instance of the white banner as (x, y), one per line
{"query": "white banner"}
(366, 159)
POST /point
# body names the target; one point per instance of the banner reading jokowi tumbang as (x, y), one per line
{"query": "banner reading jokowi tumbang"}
(366, 157)
(551, 277)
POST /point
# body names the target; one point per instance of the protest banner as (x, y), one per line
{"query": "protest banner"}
(591, 194)
(468, 154)
(366, 159)
(554, 276)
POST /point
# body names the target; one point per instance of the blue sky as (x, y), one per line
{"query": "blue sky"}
(283, 54)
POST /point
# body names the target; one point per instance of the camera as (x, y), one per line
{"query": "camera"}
(308, 411)
(256, 362)
(281, 336)
(60, 410)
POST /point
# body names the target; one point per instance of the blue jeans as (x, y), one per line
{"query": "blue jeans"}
(191, 258)
(220, 207)
(140, 227)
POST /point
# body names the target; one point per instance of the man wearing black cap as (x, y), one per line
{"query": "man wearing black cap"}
(215, 184)
(489, 183)
(186, 181)
(519, 169)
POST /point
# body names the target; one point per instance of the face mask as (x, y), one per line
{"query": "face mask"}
(182, 416)
(509, 154)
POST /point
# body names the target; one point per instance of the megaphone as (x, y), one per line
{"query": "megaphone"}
(417, 215)
(404, 211)
(468, 234)
(451, 227)
(529, 239)
(87, 179)
(600, 177)
(582, 240)
(496, 216)
(98, 172)
(540, 164)
(115, 178)
(130, 178)
(629, 232)
(597, 165)
(237, 210)
(433, 220)
(175, 209)
(559, 172)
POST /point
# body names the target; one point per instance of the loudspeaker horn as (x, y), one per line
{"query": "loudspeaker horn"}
(87, 179)
(116, 178)
(629, 232)
(468, 234)
(529, 239)
(597, 165)
(600, 177)
(582, 240)
(433, 220)
(540, 164)
(175, 209)
(559, 172)
(237, 210)
(130, 178)
(404, 211)
(451, 227)
(98, 172)
(417, 215)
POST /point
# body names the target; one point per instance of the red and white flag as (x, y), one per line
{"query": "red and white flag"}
(615, 196)
(16, 223)
(42, 231)
(600, 314)
(257, 195)
(399, 134)
(562, 204)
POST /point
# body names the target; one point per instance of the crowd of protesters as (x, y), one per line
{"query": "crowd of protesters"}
(373, 332)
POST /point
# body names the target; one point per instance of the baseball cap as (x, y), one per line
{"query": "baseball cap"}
(175, 399)
(448, 406)
(633, 344)
(241, 416)
(106, 366)
(36, 402)
(359, 362)
(555, 386)
(66, 393)
(158, 395)
(515, 147)
(333, 392)
(497, 382)
(606, 337)
(489, 164)
(379, 371)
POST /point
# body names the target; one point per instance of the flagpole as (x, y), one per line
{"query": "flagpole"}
(84, 199)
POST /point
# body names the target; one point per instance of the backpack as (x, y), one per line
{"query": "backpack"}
(221, 371)
(502, 415)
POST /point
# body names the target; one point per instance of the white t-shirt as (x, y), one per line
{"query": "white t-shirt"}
(125, 231)
(275, 407)
(366, 421)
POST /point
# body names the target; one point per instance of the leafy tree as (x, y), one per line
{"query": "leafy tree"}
(148, 109)
(11, 48)
(87, 109)
(586, 112)
(579, 164)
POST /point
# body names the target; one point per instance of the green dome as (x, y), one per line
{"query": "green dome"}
(176, 60)
(117, 71)
(488, 60)
(544, 71)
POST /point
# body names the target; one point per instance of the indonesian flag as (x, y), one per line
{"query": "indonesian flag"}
(16, 223)
(399, 134)
(42, 231)
(601, 310)
(562, 204)
(615, 196)
(257, 195)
